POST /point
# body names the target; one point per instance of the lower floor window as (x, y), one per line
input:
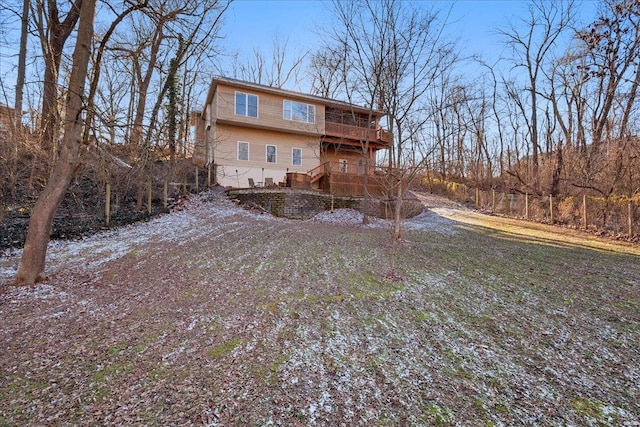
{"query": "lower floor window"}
(243, 150)
(296, 156)
(271, 154)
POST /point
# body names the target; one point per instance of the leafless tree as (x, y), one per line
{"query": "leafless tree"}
(611, 73)
(53, 32)
(145, 48)
(280, 70)
(326, 71)
(394, 55)
(532, 45)
(32, 262)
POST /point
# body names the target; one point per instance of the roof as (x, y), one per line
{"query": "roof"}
(286, 93)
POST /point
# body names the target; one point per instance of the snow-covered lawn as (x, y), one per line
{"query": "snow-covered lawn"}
(217, 316)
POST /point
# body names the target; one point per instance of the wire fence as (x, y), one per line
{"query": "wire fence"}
(615, 215)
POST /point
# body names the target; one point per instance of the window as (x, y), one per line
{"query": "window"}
(343, 165)
(299, 111)
(296, 156)
(246, 105)
(271, 153)
(243, 150)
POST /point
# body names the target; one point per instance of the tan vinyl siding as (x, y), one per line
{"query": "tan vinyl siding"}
(227, 145)
(270, 112)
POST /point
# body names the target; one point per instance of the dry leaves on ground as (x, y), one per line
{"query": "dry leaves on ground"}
(218, 316)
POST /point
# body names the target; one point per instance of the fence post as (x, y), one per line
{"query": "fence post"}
(630, 208)
(493, 200)
(149, 194)
(107, 205)
(477, 198)
(584, 211)
(184, 185)
(507, 205)
(197, 181)
(526, 206)
(165, 193)
(551, 209)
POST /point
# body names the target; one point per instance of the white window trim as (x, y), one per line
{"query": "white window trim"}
(246, 94)
(293, 157)
(266, 152)
(238, 151)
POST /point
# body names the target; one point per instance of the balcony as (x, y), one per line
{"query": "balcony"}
(340, 130)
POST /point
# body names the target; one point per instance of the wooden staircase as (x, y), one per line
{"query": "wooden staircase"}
(316, 177)
(318, 172)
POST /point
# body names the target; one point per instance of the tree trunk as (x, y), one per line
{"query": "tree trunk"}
(397, 215)
(32, 263)
(366, 196)
(18, 133)
(53, 47)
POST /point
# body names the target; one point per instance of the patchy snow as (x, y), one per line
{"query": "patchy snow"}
(90, 253)
(431, 221)
(349, 218)
(39, 291)
(214, 315)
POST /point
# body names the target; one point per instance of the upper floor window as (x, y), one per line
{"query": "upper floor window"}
(296, 156)
(299, 111)
(246, 104)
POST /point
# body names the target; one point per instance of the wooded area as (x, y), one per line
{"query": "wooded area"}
(72, 131)
(557, 116)
(616, 216)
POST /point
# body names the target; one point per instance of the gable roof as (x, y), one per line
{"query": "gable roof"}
(285, 93)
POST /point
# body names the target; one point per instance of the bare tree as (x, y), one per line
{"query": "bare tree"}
(32, 263)
(326, 72)
(532, 45)
(278, 71)
(611, 72)
(417, 55)
(394, 55)
(53, 34)
(153, 54)
(18, 129)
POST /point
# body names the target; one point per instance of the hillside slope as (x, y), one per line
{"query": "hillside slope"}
(218, 316)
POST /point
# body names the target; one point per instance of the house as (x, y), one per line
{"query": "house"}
(252, 135)
(7, 118)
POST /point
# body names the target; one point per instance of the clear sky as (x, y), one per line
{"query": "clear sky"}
(255, 23)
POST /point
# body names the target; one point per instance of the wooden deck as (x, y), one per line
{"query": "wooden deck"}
(330, 178)
(356, 133)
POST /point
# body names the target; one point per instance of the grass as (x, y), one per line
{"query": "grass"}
(224, 348)
(260, 321)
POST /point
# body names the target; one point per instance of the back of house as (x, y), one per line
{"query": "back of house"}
(251, 134)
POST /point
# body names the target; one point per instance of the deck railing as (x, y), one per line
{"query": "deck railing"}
(348, 168)
(356, 132)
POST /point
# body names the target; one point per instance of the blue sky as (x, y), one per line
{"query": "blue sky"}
(255, 23)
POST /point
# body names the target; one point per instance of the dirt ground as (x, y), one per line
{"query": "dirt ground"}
(214, 315)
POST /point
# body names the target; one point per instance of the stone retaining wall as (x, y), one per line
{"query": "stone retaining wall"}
(300, 204)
